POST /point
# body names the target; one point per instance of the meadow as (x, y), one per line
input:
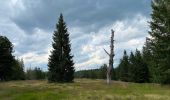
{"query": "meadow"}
(82, 89)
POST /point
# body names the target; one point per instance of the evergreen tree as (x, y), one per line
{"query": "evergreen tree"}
(124, 67)
(146, 52)
(133, 65)
(147, 56)
(133, 68)
(18, 70)
(6, 59)
(60, 61)
(141, 71)
(160, 36)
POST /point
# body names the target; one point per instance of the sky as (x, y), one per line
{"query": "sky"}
(30, 24)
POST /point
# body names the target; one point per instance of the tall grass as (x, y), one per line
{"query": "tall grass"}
(82, 89)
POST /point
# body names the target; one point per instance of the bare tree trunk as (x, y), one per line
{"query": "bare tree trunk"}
(111, 55)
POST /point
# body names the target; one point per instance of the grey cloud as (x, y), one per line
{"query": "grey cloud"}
(90, 14)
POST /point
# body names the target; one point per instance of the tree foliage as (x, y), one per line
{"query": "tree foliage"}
(124, 68)
(18, 70)
(94, 73)
(35, 74)
(6, 58)
(60, 61)
(133, 68)
(10, 68)
(159, 41)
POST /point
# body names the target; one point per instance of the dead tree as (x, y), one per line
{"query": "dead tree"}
(111, 55)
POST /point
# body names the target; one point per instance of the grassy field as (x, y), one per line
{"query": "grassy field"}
(82, 89)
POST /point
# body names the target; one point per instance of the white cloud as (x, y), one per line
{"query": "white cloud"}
(129, 34)
(31, 33)
(33, 59)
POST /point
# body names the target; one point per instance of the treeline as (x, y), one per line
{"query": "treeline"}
(133, 68)
(93, 73)
(17, 72)
(35, 74)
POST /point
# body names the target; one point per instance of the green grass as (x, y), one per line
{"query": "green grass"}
(82, 89)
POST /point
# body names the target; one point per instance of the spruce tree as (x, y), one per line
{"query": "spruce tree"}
(147, 57)
(60, 63)
(132, 68)
(141, 71)
(160, 39)
(18, 70)
(6, 59)
(124, 67)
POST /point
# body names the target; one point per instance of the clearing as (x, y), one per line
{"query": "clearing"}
(82, 89)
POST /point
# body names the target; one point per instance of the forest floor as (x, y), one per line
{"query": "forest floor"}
(82, 89)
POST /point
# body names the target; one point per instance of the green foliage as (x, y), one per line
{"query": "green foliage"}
(18, 70)
(166, 77)
(140, 69)
(124, 68)
(35, 74)
(93, 73)
(133, 68)
(10, 68)
(6, 58)
(113, 75)
(60, 63)
(159, 41)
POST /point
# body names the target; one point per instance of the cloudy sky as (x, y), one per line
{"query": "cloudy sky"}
(29, 24)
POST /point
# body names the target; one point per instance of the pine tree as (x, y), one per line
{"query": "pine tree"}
(6, 59)
(160, 36)
(61, 61)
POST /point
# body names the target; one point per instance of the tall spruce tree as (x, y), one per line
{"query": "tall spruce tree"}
(160, 39)
(60, 63)
(6, 59)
